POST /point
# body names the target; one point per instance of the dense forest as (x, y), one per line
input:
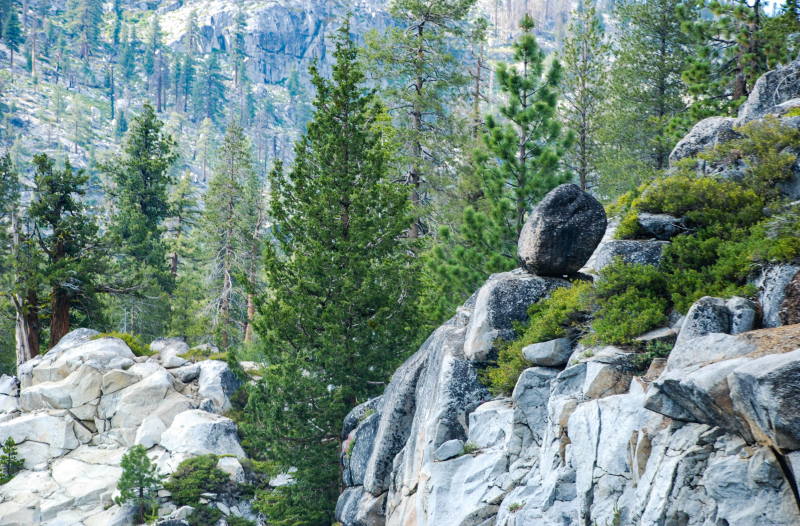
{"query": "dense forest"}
(322, 223)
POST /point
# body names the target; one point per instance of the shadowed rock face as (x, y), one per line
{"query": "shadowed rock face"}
(561, 234)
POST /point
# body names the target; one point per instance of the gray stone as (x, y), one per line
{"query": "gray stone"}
(772, 282)
(169, 347)
(503, 301)
(766, 392)
(562, 232)
(744, 314)
(358, 413)
(491, 425)
(770, 90)
(187, 373)
(703, 136)
(233, 468)
(357, 507)
(630, 252)
(553, 353)
(217, 383)
(197, 432)
(661, 226)
(531, 395)
(448, 450)
(711, 348)
(707, 315)
(9, 385)
(364, 442)
(173, 362)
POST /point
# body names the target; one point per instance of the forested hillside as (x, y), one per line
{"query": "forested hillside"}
(316, 186)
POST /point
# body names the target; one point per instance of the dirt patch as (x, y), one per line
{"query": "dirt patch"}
(773, 341)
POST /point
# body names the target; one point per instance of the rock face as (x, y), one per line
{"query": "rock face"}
(790, 307)
(80, 407)
(709, 436)
(500, 303)
(772, 283)
(703, 136)
(630, 252)
(561, 234)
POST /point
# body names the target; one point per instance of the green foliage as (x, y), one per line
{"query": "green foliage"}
(194, 477)
(469, 448)
(340, 314)
(140, 481)
(652, 351)
(139, 347)
(10, 464)
(515, 507)
(629, 300)
(233, 520)
(549, 319)
(513, 175)
(205, 515)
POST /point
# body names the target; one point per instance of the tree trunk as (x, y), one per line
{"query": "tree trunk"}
(59, 320)
(32, 317)
(416, 148)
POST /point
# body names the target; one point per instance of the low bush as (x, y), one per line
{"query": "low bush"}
(135, 343)
(204, 515)
(194, 477)
(652, 351)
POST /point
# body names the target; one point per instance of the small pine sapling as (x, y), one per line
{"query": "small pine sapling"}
(9, 463)
(140, 481)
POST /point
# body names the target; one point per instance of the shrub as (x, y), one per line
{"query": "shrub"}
(469, 448)
(549, 319)
(140, 481)
(135, 343)
(233, 520)
(652, 351)
(204, 515)
(10, 464)
(630, 300)
(194, 477)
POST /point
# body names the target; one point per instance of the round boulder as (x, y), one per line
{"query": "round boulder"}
(561, 234)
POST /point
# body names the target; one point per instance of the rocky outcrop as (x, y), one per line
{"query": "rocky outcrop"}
(630, 252)
(708, 436)
(561, 233)
(77, 410)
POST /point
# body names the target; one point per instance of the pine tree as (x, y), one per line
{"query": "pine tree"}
(237, 53)
(10, 464)
(192, 32)
(585, 69)
(519, 163)
(127, 59)
(80, 125)
(225, 228)
(415, 58)
(83, 19)
(732, 53)
(141, 179)
(187, 79)
(340, 314)
(646, 95)
(67, 235)
(208, 93)
(12, 33)
(140, 481)
(206, 143)
(121, 125)
(184, 206)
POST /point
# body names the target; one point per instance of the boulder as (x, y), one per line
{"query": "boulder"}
(790, 307)
(630, 252)
(127, 408)
(661, 226)
(711, 348)
(197, 432)
(149, 433)
(562, 232)
(217, 383)
(744, 315)
(554, 353)
(173, 362)
(103, 354)
(187, 373)
(770, 90)
(9, 385)
(118, 379)
(169, 347)
(766, 393)
(448, 450)
(707, 315)
(703, 136)
(491, 424)
(501, 302)
(357, 507)
(75, 390)
(8, 404)
(772, 283)
(41, 427)
(233, 468)
(359, 413)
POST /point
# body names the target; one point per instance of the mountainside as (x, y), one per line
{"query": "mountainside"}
(708, 436)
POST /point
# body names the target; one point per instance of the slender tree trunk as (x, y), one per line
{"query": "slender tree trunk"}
(32, 322)
(59, 316)
(416, 148)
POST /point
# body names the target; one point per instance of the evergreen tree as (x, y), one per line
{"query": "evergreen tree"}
(83, 20)
(10, 464)
(12, 34)
(127, 58)
(140, 481)
(237, 52)
(206, 143)
(780, 34)
(585, 66)
(183, 202)
(732, 54)
(67, 235)
(645, 94)
(518, 165)
(192, 32)
(225, 229)
(121, 125)
(209, 91)
(415, 58)
(340, 314)
(80, 124)
(187, 79)
(141, 179)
